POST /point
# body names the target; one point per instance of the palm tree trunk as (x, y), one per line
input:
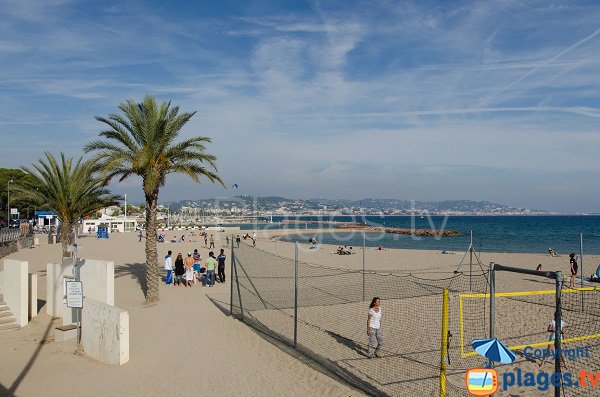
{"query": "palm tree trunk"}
(151, 253)
(65, 228)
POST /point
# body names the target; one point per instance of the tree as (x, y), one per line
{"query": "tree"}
(70, 190)
(18, 201)
(141, 141)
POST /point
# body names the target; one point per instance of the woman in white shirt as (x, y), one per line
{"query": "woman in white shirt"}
(374, 330)
(552, 330)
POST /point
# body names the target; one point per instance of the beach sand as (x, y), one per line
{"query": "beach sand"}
(188, 345)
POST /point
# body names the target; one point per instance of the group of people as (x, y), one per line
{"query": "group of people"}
(344, 250)
(187, 271)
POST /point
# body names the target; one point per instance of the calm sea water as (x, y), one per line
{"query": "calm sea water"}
(529, 234)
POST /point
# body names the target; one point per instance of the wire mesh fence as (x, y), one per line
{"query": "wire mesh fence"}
(322, 313)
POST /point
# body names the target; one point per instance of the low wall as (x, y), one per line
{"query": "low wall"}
(98, 278)
(8, 247)
(55, 290)
(16, 289)
(105, 332)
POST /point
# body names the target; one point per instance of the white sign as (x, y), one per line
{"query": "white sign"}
(14, 211)
(74, 294)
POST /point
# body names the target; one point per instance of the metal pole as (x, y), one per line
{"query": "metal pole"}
(444, 350)
(471, 262)
(581, 267)
(492, 301)
(231, 280)
(363, 267)
(237, 282)
(558, 330)
(296, 296)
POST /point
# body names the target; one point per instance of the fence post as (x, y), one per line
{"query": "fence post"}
(237, 282)
(558, 330)
(231, 279)
(296, 295)
(444, 350)
(363, 267)
(492, 302)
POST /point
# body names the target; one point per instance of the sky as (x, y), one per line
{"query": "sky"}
(423, 100)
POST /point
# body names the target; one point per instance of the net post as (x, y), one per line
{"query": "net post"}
(296, 295)
(444, 350)
(492, 302)
(471, 263)
(237, 282)
(558, 330)
(363, 267)
(231, 280)
(581, 269)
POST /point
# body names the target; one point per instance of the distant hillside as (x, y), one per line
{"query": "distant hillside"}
(367, 205)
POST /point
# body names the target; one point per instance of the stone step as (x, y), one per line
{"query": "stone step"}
(3, 307)
(8, 327)
(7, 320)
(5, 313)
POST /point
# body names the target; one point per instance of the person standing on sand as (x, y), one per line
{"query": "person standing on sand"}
(227, 241)
(574, 268)
(169, 269)
(221, 266)
(179, 269)
(374, 330)
(205, 240)
(552, 330)
(189, 269)
(212, 241)
(237, 241)
(140, 235)
(197, 258)
(210, 269)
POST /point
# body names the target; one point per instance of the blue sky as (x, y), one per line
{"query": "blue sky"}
(416, 100)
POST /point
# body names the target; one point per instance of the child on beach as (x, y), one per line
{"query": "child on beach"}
(552, 330)
(374, 330)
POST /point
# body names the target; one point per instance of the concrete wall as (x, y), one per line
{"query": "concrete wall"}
(55, 290)
(98, 278)
(16, 289)
(33, 293)
(105, 332)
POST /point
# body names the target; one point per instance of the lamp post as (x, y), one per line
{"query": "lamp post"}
(8, 202)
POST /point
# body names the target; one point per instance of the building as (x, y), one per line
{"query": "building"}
(118, 224)
(45, 218)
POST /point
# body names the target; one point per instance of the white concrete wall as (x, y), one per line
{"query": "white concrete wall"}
(16, 289)
(55, 290)
(33, 293)
(98, 278)
(105, 332)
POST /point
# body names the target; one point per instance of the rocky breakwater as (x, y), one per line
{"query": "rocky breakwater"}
(392, 230)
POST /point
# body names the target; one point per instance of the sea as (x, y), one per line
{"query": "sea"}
(526, 234)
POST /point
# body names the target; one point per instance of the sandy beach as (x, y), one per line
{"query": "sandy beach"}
(187, 344)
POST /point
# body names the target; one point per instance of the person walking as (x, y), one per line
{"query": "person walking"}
(189, 269)
(221, 266)
(574, 268)
(237, 241)
(179, 269)
(140, 235)
(212, 241)
(254, 239)
(374, 330)
(227, 241)
(169, 269)
(210, 269)
(552, 330)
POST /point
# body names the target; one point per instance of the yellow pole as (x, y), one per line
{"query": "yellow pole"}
(444, 350)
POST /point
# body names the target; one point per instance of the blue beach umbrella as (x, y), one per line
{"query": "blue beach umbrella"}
(494, 350)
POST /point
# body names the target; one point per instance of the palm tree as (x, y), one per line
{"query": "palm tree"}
(141, 141)
(70, 190)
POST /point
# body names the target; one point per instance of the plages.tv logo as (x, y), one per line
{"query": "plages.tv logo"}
(482, 381)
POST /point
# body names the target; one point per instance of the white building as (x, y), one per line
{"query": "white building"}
(118, 224)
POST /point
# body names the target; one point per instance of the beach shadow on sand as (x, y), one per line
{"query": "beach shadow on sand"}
(348, 343)
(136, 271)
(222, 306)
